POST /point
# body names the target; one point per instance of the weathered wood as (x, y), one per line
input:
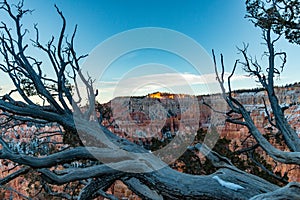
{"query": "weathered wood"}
(290, 191)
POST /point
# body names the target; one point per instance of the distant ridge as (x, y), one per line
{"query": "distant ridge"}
(167, 95)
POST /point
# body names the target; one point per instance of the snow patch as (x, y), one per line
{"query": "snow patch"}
(227, 184)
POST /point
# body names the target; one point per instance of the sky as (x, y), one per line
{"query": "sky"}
(166, 64)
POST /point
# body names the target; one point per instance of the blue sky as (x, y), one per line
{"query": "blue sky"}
(214, 24)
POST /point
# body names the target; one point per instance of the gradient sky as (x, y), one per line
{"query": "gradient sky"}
(214, 24)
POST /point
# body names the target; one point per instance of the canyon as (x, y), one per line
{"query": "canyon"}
(163, 116)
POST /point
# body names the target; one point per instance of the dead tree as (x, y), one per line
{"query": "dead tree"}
(276, 19)
(265, 16)
(89, 172)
